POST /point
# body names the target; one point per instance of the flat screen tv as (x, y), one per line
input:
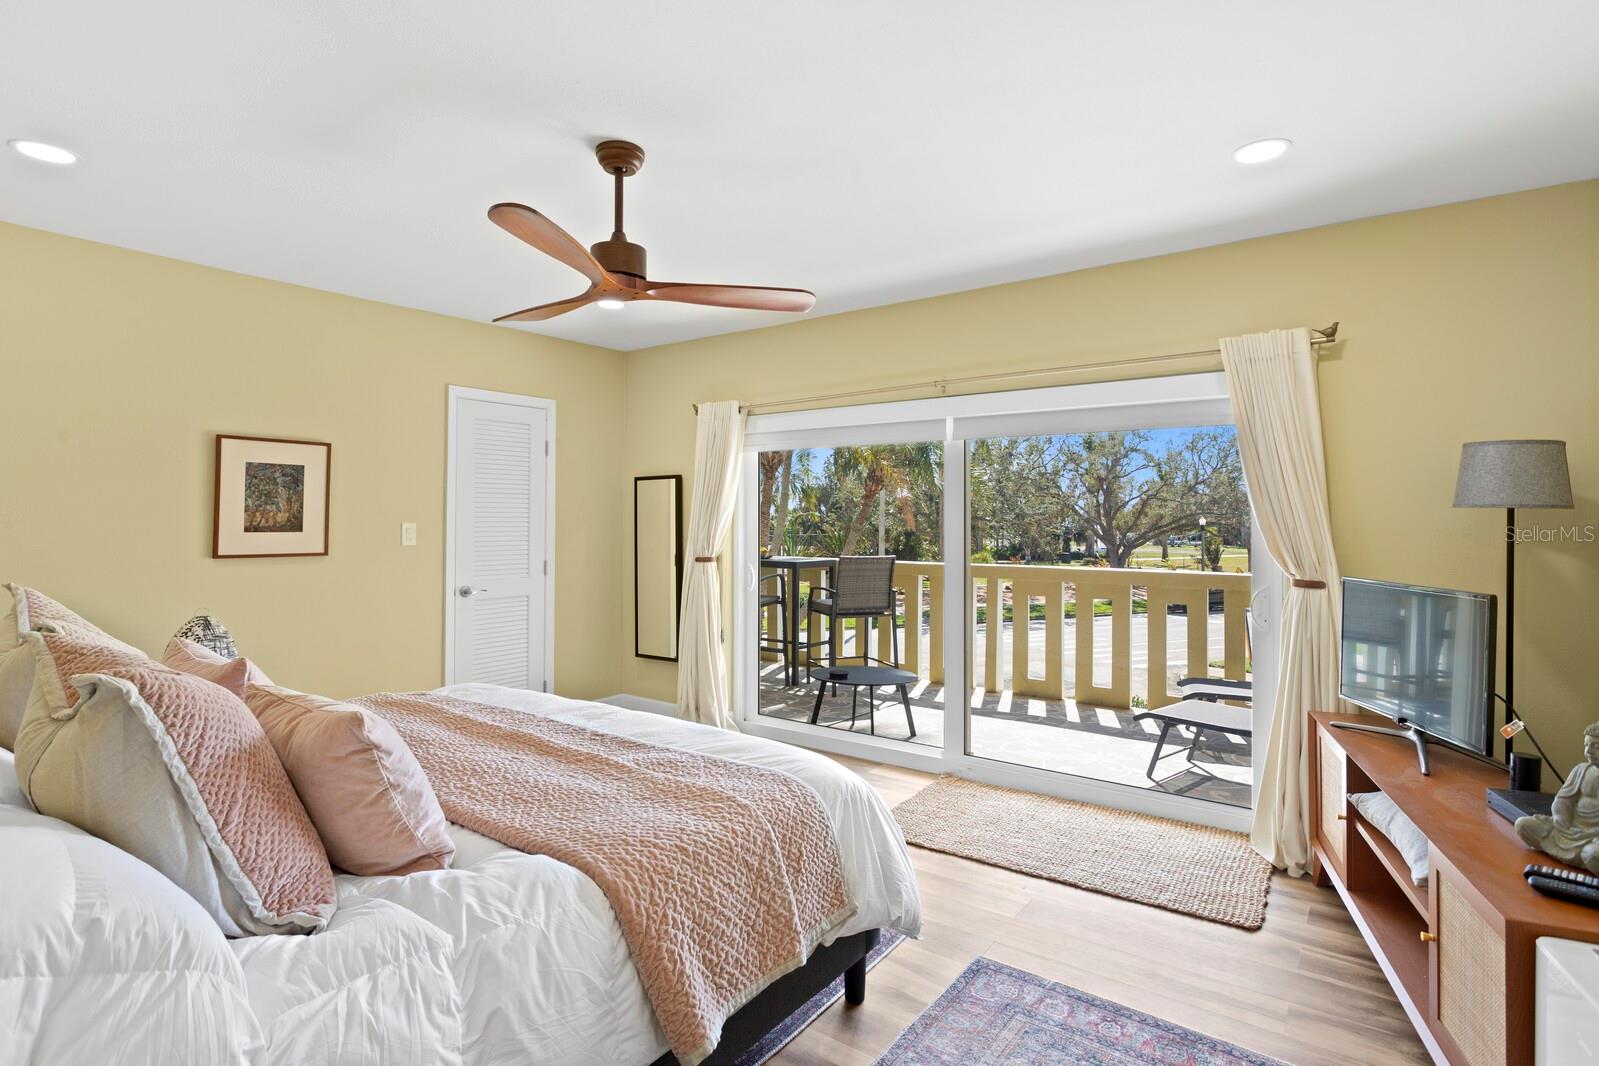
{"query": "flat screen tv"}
(1423, 657)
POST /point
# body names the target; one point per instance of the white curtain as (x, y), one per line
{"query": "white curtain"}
(701, 664)
(1272, 379)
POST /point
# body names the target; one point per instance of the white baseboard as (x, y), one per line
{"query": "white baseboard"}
(640, 703)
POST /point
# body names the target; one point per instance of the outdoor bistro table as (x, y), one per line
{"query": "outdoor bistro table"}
(791, 565)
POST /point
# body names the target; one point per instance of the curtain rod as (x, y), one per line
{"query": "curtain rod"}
(1327, 335)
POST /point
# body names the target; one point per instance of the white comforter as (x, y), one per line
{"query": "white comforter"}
(505, 958)
(544, 972)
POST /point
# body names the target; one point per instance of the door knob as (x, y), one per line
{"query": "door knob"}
(467, 590)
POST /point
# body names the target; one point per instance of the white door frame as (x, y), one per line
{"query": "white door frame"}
(462, 392)
(1138, 403)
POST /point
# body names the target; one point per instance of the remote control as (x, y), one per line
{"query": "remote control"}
(1567, 890)
(1570, 876)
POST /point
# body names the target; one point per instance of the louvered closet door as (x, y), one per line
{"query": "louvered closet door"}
(500, 584)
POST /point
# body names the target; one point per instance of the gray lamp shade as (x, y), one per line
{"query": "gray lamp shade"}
(1513, 473)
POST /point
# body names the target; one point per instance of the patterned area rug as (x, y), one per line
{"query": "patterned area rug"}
(996, 1015)
(1208, 873)
(774, 1041)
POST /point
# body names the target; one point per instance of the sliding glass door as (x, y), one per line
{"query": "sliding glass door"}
(1066, 565)
(1107, 568)
(822, 515)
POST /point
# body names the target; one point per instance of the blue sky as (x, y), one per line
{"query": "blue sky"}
(1160, 440)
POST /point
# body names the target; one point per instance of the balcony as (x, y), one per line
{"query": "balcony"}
(1063, 699)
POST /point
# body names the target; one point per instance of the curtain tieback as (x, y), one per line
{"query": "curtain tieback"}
(1308, 583)
(706, 558)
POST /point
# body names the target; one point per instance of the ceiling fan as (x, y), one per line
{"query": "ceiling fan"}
(615, 268)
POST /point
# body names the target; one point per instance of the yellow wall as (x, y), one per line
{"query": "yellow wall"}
(1471, 321)
(116, 370)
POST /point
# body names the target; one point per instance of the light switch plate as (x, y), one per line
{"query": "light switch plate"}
(408, 534)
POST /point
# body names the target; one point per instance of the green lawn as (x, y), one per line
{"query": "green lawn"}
(1186, 556)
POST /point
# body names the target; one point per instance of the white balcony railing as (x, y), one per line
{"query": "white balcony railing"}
(1090, 590)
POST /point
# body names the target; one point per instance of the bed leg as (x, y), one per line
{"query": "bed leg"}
(855, 983)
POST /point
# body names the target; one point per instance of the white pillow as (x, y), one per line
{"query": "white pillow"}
(1386, 817)
(104, 960)
(10, 792)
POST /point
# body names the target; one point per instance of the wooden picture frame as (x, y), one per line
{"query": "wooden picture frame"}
(271, 497)
(660, 518)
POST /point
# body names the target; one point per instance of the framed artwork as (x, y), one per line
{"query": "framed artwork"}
(271, 497)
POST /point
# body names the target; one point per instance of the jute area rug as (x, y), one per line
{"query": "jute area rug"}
(1208, 873)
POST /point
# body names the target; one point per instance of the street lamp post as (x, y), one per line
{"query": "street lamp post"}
(1203, 565)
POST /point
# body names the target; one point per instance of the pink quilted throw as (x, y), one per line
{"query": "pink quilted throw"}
(722, 876)
(264, 843)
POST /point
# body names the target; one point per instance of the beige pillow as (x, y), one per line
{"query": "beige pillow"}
(10, 631)
(16, 684)
(363, 787)
(201, 661)
(176, 771)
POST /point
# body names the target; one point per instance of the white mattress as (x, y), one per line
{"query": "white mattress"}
(544, 972)
(505, 958)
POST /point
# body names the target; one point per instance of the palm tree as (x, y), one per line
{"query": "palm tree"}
(771, 463)
(785, 487)
(894, 468)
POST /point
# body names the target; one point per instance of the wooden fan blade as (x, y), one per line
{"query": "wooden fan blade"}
(528, 225)
(550, 310)
(754, 297)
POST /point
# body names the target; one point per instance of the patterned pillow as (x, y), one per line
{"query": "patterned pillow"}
(207, 632)
(174, 770)
(232, 674)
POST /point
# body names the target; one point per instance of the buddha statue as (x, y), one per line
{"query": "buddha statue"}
(1570, 831)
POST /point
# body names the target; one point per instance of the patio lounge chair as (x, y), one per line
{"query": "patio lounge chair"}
(1201, 716)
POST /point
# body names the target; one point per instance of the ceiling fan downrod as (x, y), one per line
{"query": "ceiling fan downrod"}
(621, 159)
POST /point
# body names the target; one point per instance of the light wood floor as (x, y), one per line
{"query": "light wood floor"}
(1303, 989)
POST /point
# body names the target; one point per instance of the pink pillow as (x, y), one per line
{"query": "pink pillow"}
(178, 772)
(36, 611)
(201, 661)
(361, 784)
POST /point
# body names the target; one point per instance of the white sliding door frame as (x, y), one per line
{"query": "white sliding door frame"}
(1147, 403)
(462, 392)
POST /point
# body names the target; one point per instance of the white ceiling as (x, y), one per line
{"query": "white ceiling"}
(872, 152)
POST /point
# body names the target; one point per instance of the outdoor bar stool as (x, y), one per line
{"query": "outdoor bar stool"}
(863, 587)
(778, 599)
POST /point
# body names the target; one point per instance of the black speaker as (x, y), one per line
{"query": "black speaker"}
(1526, 773)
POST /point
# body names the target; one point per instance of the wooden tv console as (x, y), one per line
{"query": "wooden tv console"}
(1459, 952)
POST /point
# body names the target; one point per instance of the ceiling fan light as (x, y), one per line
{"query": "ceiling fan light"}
(44, 153)
(1261, 151)
(610, 303)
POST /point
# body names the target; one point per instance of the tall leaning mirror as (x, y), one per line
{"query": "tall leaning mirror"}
(657, 564)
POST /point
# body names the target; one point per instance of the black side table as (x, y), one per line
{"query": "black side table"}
(869, 678)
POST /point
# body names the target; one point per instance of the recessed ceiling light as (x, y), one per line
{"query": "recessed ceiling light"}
(1262, 151)
(608, 303)
(45, 153)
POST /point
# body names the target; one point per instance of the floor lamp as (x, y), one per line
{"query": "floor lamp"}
(1512, 474)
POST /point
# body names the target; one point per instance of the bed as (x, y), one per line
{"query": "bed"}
(505, 957)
